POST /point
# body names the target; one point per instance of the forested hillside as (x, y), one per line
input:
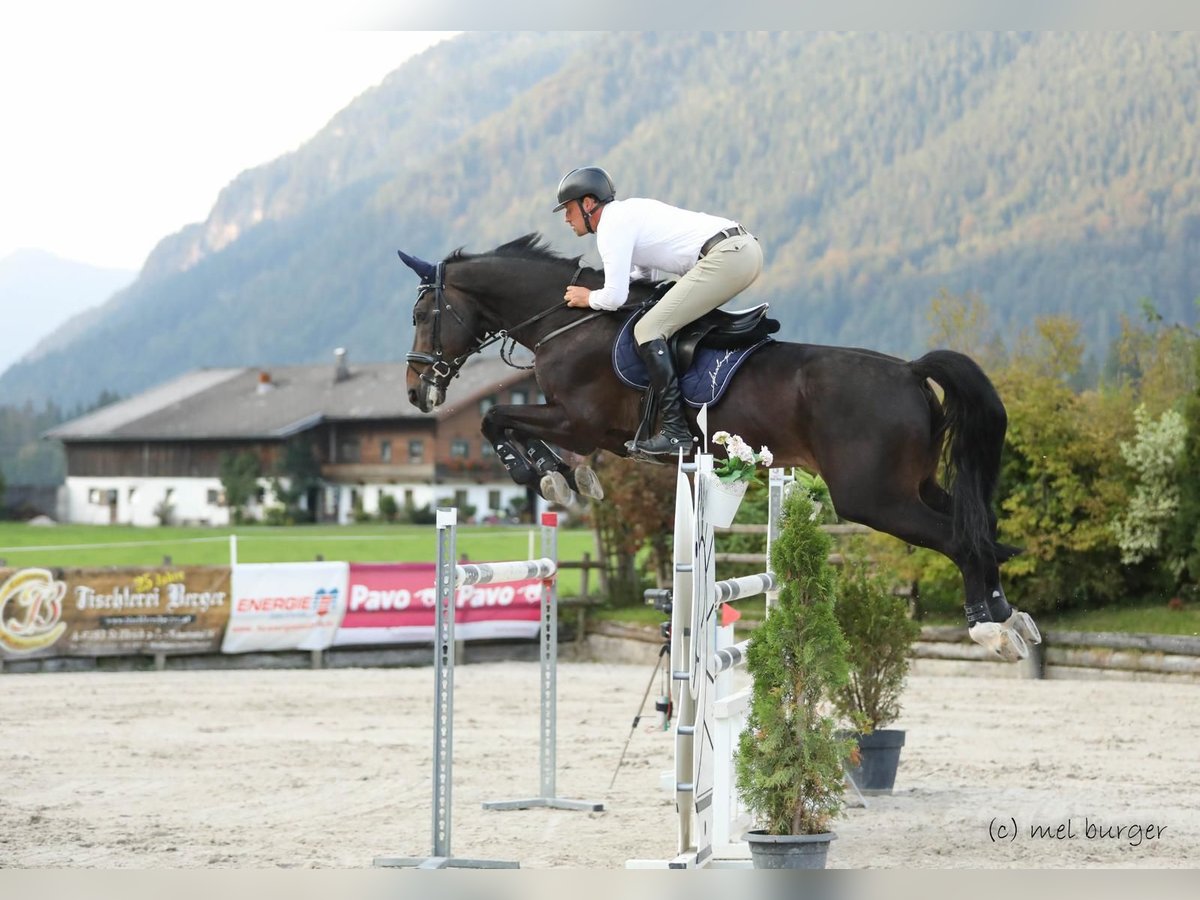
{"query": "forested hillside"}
(1043, 173)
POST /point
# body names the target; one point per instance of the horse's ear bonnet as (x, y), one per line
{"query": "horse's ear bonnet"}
(425, 270)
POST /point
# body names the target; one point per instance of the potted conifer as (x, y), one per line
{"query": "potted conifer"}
(880, 636)
(790, 756)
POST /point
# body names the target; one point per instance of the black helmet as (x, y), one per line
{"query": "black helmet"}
(586, 181)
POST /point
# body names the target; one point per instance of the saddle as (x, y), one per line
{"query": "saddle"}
(721, 330)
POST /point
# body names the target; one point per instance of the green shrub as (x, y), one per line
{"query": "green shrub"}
(880, 636)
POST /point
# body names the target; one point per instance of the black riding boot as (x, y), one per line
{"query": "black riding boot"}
(673, 433)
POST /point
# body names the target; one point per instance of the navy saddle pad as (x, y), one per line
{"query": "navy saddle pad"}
(704, 382)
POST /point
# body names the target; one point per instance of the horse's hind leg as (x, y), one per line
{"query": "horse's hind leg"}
(923, 524)
(997, 604)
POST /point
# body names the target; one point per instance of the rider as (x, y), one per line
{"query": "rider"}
(715, 259)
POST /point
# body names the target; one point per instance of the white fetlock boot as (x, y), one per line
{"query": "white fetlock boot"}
(1006, 643)
(1023, 624)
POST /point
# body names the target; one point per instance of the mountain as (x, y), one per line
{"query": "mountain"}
(1046, 173)
(39, 292)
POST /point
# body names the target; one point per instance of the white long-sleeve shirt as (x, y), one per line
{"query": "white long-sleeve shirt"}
(638, 236)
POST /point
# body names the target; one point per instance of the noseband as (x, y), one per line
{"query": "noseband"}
(439, 371)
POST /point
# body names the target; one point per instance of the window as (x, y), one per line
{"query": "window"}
(519, 397)
(460, 448)
(102, 497)
(385, 451)
(486, 449)
(494, 501)
(416, 451)
(349, 450)
(485, 404)
(215, 497)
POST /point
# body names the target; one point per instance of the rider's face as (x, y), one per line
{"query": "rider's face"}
(574, 215)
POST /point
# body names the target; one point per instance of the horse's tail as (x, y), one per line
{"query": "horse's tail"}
(973, 425)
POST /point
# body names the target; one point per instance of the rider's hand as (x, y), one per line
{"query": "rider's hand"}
(577, 297)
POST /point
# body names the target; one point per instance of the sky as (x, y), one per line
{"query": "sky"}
(112, 138)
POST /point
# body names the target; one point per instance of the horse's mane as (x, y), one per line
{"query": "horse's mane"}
(532, 247)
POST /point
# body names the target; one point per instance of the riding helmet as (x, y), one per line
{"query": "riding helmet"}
(582, 182)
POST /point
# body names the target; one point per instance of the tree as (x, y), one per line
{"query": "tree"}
(297, 471)
(1182, 539)
(638, 511)
(239, 475)
(388, 508)
(790, 756)
(1154, 456)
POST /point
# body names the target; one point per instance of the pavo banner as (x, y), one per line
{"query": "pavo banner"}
(395, 603)
(285, 606)
(112, 612)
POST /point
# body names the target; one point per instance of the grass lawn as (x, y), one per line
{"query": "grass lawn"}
(86, 546)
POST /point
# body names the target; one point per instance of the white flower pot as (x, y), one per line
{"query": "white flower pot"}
(721, 500)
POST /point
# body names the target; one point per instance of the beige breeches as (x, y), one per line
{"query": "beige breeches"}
(727, 270)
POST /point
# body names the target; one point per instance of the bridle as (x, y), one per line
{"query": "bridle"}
(439, 371)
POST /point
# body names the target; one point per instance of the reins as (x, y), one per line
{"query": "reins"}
(446, 371)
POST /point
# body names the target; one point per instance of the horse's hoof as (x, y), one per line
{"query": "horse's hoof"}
(1005, 643)
(587, 483)
(1023, 624)
(555, 488)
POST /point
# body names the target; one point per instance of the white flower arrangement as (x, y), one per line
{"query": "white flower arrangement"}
(741, 462)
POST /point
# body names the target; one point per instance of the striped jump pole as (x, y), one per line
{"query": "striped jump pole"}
(548, 735)
(449, 577)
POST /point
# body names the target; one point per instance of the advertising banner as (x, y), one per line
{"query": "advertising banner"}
(285, 606)
(394, 603)
(111, 612)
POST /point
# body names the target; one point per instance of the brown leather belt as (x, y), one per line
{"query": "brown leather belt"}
(732, 231)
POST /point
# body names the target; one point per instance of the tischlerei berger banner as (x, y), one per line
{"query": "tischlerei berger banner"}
(285, 606)
(112, 612)
(394, 603)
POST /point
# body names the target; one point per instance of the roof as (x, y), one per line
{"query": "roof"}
(239, 404)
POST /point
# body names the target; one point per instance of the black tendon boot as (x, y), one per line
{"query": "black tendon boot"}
(673, 433)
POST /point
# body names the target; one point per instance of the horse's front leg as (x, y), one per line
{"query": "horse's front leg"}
(510, 453)
(521, 432)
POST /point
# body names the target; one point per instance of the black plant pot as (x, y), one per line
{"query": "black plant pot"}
(879, 757)
(789, 851)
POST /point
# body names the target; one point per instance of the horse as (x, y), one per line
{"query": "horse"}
(871, 425)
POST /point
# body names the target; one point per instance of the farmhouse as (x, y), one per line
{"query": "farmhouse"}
(157, 456)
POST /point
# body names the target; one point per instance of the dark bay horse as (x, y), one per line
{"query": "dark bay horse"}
(870, 424)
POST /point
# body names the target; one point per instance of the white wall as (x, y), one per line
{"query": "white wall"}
(421, 495)
(137, 498)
